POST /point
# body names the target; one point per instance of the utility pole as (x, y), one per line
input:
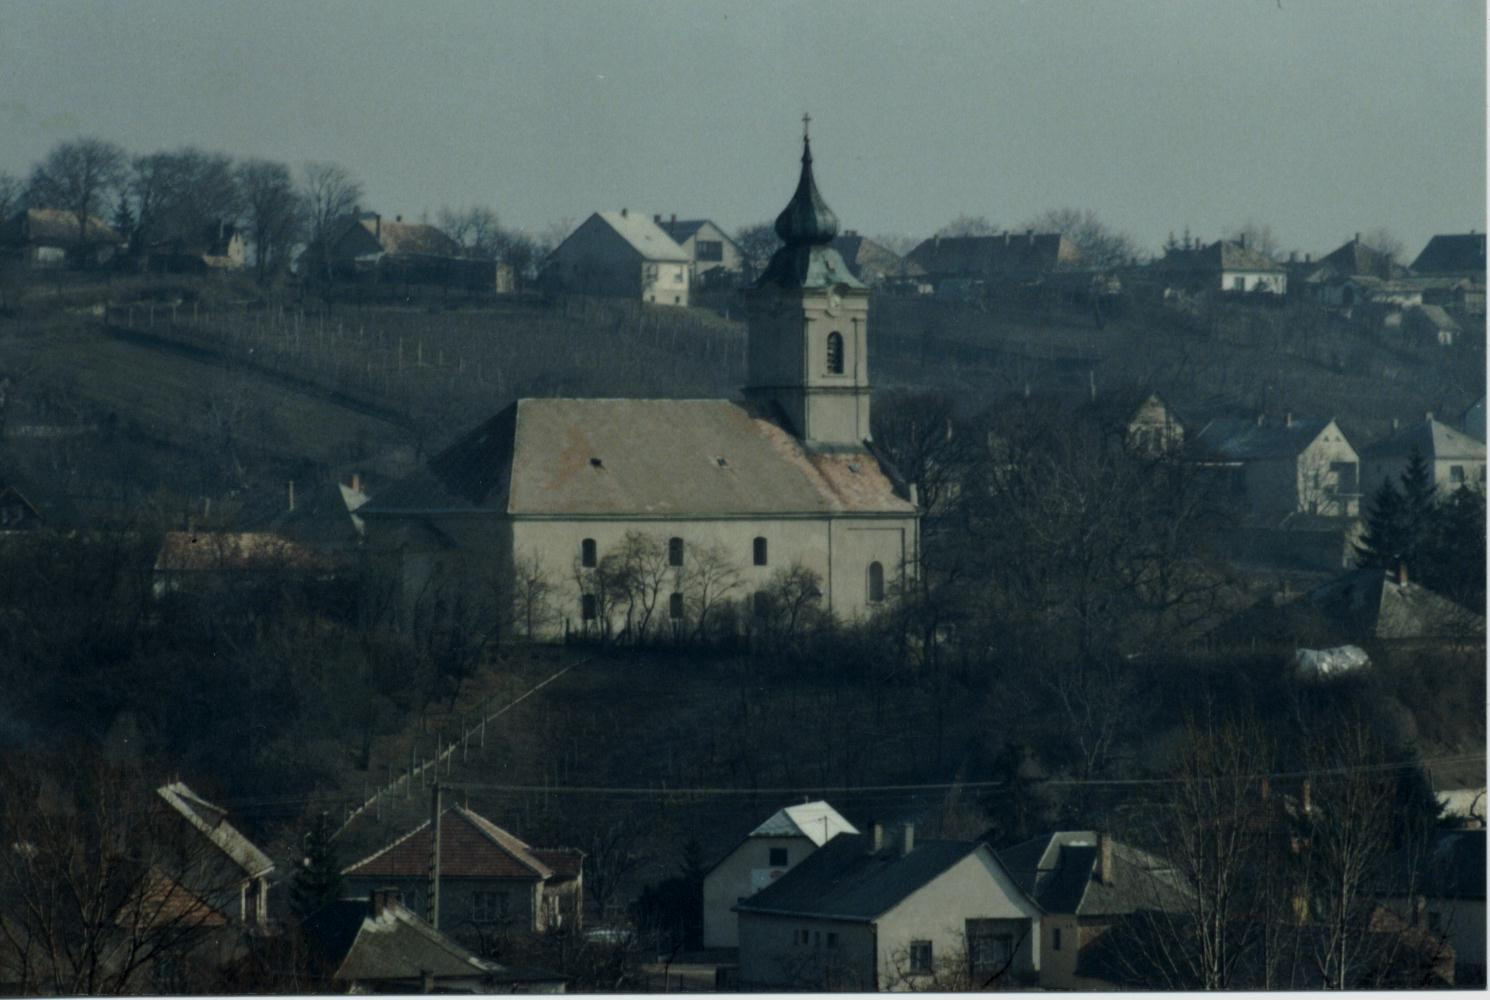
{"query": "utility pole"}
(435, 809)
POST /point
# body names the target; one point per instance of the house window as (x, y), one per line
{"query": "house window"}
(988, 951)
(587, 607)
(1239, 284)
(1055, 939)
(802, 936)
(777, 857)
(817, 939)
(1344, 474)
(832, 939)
(488, 907)
(675, 551)
(759, 551)
(587, 553)
(1456, 475)
(835, 353)
(675, 606)
(876, 583)
(708, 250)
(920, 958)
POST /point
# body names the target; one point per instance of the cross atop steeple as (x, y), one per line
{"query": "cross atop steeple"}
(806, 120)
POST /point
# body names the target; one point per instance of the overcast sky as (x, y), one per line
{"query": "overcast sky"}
(1318, 117)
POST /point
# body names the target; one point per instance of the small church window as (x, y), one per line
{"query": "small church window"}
(587, 553)
(675, 551)
(835, 353)
(587, 607)
(760, 551)
(675, 606)
(876, 583)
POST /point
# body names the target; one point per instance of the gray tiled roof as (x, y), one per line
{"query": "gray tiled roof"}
(644, 236)
(1061, 871)
(1434, 440)
(664, 457)
(1452, 253)
(843, 880)
(1371, 603)
(1241, 439)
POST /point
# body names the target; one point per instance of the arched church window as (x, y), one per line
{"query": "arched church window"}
(835, 353)
(587, 553)
(760, 551)
(675, 551)
(876, 583)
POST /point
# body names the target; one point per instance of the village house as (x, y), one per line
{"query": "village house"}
(766, 853)
(714, 258)
(621, 254)
(219, 246)
(1086, 884)
(489, 879)
(51, 237)
(199, 561)
(1454, 458)
(364, 246)
(231, 875)
(1008, 257)
(378, 945)
(1154, 430)
(1432, 325)
(1443, 893)
(1306, 466)
(866, 913)
(733, 492)
(1223, 266)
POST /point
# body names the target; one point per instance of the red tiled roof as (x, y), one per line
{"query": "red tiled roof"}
(471, 846)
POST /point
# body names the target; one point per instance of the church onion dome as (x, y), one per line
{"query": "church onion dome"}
(807, 219)
(807, 226)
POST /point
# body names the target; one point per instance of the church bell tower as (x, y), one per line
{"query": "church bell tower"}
(808, 326)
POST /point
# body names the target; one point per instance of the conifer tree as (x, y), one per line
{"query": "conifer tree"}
(1385, 538)
(318, 881)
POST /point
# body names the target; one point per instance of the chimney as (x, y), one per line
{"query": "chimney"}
(357, 482)
(657, 218)
(377, 226)
(1242, 239)
(398, 218)
(1288, 420)
(1358, 237)
(1308, 257)
(876, 838)
(1306, 801)
(1428, 416)
(673, 219)
(1006, 239)
(1031, 234)
(623, 213)
(1259, 419)
(1293, 256)
(377, 901)
(908, 839)
(1104, 859)
(1401, 573)
(292, 494)
(1394, 423)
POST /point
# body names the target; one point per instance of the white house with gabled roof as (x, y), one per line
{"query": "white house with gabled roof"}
(623, 254)
(766, 853)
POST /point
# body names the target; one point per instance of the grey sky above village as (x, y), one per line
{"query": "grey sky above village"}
(1319, 118)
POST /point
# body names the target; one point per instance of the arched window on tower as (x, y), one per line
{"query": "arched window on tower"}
(835, 353)
(876, 583)
(759, 550)
(675, 551)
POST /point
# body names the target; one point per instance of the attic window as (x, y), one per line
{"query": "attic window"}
(596, 463)
(854, 468)
(722, 463)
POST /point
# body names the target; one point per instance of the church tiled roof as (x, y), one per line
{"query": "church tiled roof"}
(670, 457)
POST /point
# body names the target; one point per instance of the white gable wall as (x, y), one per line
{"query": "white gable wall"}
(976, 888)
(744, 871)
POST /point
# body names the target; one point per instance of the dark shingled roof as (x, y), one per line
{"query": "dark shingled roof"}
(843, 880)
(992, 256)
(55, 227)
(1060, 870)
(1241, 440)
(1453, 868)
(1452, 254)
(1223, 255)
(1432, 439)
(701, 457)
(1356, 257)
(1372, 604)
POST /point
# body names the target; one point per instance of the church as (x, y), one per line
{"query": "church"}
(728, 492)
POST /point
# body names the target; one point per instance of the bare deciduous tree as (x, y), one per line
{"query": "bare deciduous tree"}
(1100, 245)
(273, 214)
(79, 177)
(329, 191)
